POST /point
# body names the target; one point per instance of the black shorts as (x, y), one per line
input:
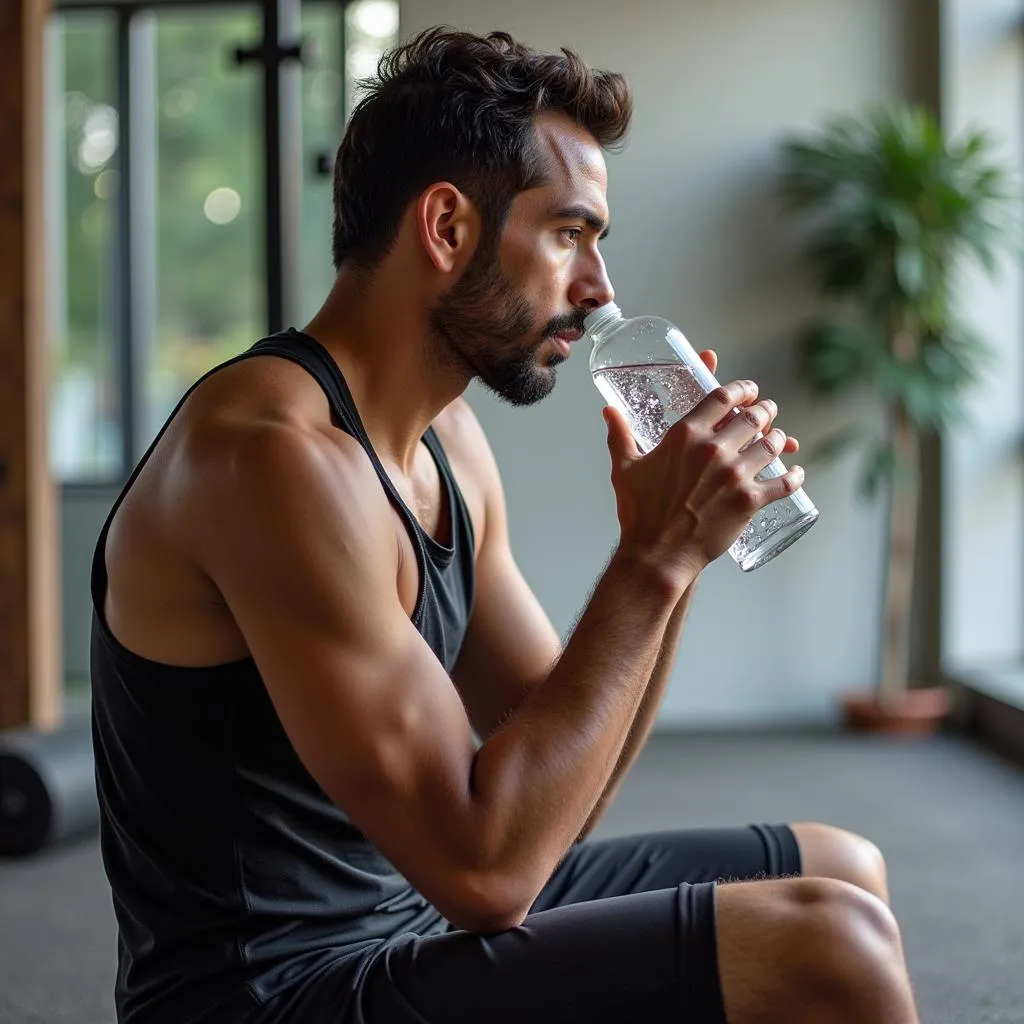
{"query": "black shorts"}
(623, 931)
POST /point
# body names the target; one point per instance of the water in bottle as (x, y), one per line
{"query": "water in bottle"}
(647, 369)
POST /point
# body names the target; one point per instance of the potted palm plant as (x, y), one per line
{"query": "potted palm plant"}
(894, 210)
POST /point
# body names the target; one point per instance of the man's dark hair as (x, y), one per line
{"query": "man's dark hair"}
(452, 106)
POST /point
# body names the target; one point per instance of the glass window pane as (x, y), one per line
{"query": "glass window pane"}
(81, 194)
(371, 28)
(210, 267)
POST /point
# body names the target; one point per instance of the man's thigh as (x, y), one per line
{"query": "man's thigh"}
(647, 957)
(596, 869)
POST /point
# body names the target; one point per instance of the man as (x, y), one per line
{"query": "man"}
(343, 760)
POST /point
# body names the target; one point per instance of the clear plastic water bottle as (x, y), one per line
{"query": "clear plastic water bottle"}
(647, 369)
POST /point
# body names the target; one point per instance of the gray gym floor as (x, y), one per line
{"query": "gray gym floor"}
(949, 817)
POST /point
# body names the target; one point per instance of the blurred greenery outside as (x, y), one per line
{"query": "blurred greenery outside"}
(210, 298)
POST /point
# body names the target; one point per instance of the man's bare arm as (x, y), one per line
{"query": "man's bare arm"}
(511, 645)
(648, 710)
(511, 636)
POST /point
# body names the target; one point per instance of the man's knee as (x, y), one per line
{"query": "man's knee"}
(834, 923)
(823, 950)
(830, 852)
(852, 951)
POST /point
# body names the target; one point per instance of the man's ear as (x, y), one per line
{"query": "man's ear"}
(449, 226)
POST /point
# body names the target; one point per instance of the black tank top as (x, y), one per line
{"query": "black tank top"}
(234, 877)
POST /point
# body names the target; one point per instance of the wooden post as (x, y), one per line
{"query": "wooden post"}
(30, 656)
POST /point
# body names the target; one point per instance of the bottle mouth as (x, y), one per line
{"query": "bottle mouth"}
(605, 314)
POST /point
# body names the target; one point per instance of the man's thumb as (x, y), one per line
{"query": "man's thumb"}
(620, 438)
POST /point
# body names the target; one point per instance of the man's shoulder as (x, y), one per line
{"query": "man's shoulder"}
(266, 441)
(257, 408)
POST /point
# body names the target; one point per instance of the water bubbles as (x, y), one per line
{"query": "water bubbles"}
(652, 397)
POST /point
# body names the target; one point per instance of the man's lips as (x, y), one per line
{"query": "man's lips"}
(569, 336)
(563, 342)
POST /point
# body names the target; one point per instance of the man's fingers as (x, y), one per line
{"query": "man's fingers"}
(783, 486)
(720, 405)
(621, 444)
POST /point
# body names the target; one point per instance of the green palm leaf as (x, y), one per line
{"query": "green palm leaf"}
(895, 208)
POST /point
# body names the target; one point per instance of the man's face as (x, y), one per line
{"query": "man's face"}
(518, 305)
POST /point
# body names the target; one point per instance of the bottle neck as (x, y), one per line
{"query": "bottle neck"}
(598, 323)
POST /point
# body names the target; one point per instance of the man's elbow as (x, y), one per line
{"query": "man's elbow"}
(487, 905)
(487, 920)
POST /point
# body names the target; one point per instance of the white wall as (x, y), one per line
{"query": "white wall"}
(983, 542)
(696, 237)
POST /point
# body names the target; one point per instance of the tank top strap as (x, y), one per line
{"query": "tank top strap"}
(463, 534)
(308, 353)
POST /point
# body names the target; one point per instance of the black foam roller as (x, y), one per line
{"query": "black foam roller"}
(47, 787)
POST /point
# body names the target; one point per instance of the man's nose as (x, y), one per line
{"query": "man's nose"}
(592, 290)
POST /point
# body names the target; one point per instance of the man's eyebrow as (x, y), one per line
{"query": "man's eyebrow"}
(585, 214)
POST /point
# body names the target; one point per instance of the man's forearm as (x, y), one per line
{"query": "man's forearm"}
(535, 780)
(648, 710)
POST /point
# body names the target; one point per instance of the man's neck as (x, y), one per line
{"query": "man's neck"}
(377, 332)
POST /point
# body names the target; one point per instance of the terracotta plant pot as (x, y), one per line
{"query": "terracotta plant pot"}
(917, 712)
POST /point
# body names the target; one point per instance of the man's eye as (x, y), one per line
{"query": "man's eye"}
(572, 235)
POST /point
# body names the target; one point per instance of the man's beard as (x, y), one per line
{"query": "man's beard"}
(485, 321)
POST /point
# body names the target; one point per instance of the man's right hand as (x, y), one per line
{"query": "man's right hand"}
(685, 502)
